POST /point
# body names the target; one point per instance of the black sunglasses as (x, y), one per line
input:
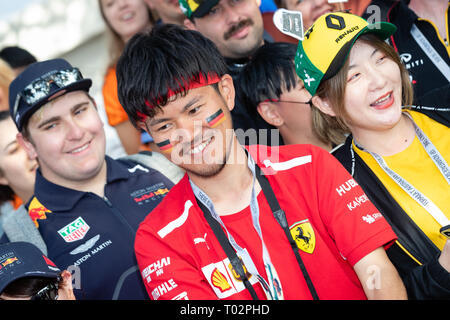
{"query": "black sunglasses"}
(49, 292)
(286, 101)
(40, 87)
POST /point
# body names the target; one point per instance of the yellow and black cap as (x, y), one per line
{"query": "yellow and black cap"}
(196, 8)
(327, 44)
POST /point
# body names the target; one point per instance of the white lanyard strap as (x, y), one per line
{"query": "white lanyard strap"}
(420, 198)
(426, 46)
(272, 291)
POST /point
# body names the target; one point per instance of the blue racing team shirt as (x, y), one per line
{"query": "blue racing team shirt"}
(95, 234)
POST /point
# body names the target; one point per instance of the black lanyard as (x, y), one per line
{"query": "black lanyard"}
(230, 252)
(280, 217)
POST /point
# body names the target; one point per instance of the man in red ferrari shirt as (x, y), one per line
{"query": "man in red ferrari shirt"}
(245, 222)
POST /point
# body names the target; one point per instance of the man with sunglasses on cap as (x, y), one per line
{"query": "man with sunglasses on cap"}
(27, 274)
(236, 28)
(86, 206)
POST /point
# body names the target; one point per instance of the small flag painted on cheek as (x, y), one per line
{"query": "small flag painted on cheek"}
(216, 119)
(165, 146)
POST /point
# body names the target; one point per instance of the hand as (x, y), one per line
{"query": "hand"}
(65, 291)
(444, 258)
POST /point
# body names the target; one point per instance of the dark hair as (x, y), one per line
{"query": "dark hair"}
(27, 286)
(270, 72)
(162, 60)
(17, 57)
(6, 193)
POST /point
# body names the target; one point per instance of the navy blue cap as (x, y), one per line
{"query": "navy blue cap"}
(23, 259)
(34, 72)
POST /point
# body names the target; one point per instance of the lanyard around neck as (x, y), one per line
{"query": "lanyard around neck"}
(272, 291)
(429, 50)
(414, 193)
(206, 205)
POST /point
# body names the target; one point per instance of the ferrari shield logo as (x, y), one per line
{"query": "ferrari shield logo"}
(303, 234)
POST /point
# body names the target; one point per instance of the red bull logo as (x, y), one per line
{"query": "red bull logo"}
(37, 211)
(159, 192)
(9, 261)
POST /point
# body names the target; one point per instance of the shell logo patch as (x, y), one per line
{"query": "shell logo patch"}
(219, 281)
(303, 234)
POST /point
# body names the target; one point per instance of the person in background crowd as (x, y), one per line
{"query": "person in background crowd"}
(86, 206)
(18, 58)
(17, 171)
(168, 11)
(187, 108)
(6, 76)
(27, 274)
(270, 85)
(236, 28)
(17, 177)
(398, 156)
(123, 19)
(357, 7)
(310, 9)
(422, 41)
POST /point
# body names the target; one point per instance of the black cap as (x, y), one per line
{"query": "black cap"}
(23, 259)
(19, 109)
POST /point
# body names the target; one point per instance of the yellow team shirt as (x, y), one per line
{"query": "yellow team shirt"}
(415, 166)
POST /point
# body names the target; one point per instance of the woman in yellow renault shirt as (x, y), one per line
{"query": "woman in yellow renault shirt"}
(399, 157)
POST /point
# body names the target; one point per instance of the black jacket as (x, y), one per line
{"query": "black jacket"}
(427, 280)
(431, 88)
(97, 234)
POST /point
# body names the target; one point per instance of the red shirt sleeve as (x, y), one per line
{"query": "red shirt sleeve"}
(355, 224)
(168, 273)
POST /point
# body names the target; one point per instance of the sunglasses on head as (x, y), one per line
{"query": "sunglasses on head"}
(49, 292)
(40, 87)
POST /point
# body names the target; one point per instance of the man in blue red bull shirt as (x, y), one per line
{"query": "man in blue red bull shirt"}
(86, 206)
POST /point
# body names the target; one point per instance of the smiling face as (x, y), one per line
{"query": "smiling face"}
(195, 131)
(67, 137)
(126, 17)
(373, 97)
(18, 171)
(235, 26)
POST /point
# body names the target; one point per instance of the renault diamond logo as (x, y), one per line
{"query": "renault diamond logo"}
(335, 22)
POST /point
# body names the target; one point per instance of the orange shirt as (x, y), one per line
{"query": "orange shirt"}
(17, 202)
(114, 110)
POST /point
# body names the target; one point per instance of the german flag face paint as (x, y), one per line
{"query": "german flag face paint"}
(165, 146)
(216, 119)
